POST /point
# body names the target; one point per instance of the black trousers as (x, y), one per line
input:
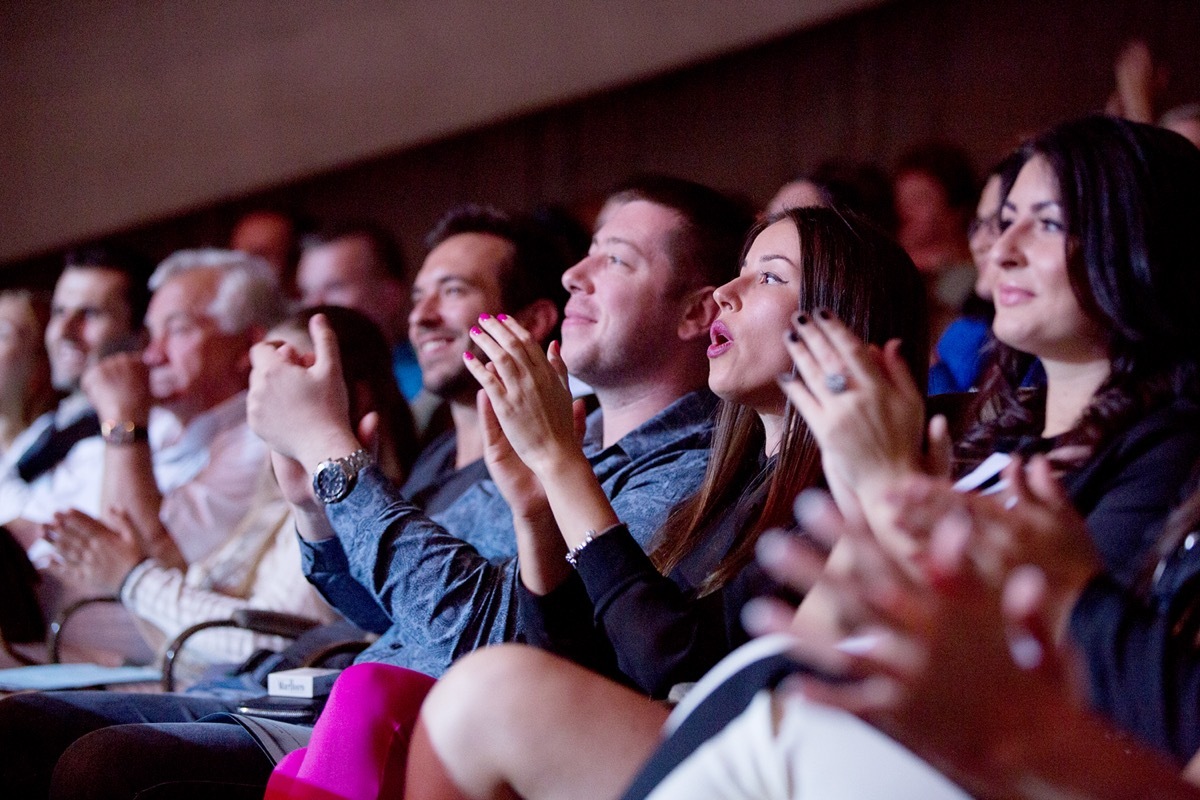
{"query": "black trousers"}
(113, 745)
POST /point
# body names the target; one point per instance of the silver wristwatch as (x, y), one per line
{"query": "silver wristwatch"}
(333, 479)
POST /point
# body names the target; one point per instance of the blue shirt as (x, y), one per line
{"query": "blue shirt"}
(406, 369)
(447, 585)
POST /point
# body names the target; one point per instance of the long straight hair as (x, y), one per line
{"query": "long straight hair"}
(853, 269)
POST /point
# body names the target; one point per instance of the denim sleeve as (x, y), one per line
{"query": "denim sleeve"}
(644, 497)
(324, 564)
(450, 591)
(443, 598)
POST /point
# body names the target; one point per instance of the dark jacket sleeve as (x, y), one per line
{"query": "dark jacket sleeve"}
(1140, 651)
(1143, 664)
(560, 622)
(1129, 488)
(662, 634)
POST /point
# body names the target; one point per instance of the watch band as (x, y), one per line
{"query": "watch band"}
(123, 432)
(334, 478)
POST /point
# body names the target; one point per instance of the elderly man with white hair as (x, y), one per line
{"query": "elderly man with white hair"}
(173, 418)
(175, 453)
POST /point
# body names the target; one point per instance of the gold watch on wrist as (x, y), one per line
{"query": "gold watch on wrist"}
(123, 432)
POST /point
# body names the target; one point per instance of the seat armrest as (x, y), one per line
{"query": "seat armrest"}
(53, 643)
(273, 623)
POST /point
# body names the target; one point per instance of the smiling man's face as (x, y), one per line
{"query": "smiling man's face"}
(459, 280)
(90, 311)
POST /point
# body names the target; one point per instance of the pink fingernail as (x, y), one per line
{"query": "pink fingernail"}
(469, 356)
(502, 317)
(475, 331)
(485, 316)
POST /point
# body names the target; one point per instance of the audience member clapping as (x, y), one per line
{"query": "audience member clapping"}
(1105, 318)
(658, 631)
(259, 566)
(956, 662)
(97, 308)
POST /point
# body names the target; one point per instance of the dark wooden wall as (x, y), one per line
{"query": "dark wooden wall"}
(978, 72)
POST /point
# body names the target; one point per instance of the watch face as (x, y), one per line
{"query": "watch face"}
(331, 482)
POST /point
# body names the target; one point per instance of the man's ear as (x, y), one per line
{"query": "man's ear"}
(539, 318)
(699, 311)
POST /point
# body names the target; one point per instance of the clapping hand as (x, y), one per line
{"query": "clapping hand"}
(94, 557)
(952, 664)
(298, 403)
(865, 411)
(527, 392)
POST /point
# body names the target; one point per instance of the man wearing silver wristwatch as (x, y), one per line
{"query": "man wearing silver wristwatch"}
(636, 330)
(446, 584)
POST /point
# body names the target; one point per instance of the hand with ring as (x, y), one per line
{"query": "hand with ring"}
(861, 404)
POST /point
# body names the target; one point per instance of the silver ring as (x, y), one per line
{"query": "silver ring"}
(836, 382)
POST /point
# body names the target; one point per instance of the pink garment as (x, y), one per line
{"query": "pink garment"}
(360, 743)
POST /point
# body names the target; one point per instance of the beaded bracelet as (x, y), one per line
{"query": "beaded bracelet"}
(573, 553)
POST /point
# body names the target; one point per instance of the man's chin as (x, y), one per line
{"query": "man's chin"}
(459, 387)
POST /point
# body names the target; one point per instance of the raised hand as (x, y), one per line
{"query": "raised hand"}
(1034, 522)
(298, 403)
(527, 391)
(861, 404)
(954, 666)
(527, 395)
(519, 487)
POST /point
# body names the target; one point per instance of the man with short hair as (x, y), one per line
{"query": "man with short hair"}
(272, 234)
(173, 418)
(188, 466)
(479, 258)
(97, 308)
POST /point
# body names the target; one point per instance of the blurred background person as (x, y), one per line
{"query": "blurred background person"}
(25, 390)
(274, 236)
(935, 190)
(858, 186)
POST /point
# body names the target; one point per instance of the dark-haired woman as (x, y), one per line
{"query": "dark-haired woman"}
(1097, 280)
